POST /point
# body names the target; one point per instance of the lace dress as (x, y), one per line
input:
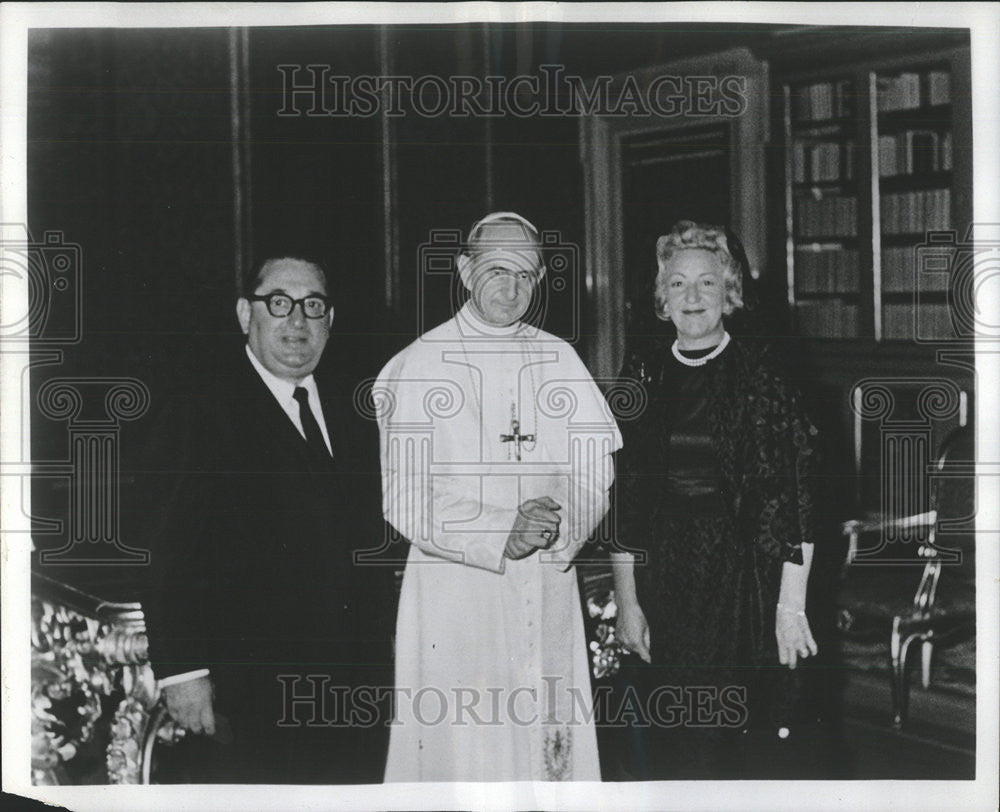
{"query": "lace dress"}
(706, 583)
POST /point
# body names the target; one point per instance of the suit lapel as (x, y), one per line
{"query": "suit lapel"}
(337, 410)
(267, 413)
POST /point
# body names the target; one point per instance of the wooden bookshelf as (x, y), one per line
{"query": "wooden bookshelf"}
(876, 158)
(821, 199)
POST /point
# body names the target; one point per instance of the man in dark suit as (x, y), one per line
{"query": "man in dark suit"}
(266, 635)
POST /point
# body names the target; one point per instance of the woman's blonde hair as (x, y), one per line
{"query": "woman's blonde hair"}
(686, 234)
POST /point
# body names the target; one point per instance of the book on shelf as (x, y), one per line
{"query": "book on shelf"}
(823, 161)
(825, 269)
(832, 215)
(915, 212)
(903, 321)
(899, 272)
(821, 100)
(900, 92)
(827, 319)
(913, 152)
(909, 90)
(938, 87)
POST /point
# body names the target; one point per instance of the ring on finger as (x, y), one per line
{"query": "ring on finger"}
(547, 535)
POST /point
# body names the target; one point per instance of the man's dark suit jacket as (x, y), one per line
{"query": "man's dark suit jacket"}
(252, 575)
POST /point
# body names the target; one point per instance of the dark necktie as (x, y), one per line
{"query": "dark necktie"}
(314, 437)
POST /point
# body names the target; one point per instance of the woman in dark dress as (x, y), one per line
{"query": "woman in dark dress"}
(715, 507)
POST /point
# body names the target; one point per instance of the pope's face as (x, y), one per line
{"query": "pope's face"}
(288, 347)
(500, 283)
(691, 292)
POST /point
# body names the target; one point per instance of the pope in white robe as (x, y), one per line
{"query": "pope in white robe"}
(496, 463)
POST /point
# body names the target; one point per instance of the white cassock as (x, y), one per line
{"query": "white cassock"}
(492, 667)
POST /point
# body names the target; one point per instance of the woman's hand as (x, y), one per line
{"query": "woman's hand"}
(632, 629)
(791, 628)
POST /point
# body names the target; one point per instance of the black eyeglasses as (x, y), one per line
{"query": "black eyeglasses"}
(281, 305)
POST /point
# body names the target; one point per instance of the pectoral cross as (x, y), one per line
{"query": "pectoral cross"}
(515, 435)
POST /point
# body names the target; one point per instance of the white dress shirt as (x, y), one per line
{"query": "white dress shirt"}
(284, 393)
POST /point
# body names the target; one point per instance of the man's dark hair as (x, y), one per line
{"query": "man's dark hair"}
(254, 276)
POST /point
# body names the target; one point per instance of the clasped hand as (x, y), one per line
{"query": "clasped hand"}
(536, 527)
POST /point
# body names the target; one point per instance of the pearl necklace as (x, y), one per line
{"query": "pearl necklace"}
(700, 362)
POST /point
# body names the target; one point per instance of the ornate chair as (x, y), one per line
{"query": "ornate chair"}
(92, 688)
(936, 607)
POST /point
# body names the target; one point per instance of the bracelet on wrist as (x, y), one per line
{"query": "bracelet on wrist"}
(785, 608)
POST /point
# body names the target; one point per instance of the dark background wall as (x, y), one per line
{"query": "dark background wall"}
(129, 157)
(315, 182)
